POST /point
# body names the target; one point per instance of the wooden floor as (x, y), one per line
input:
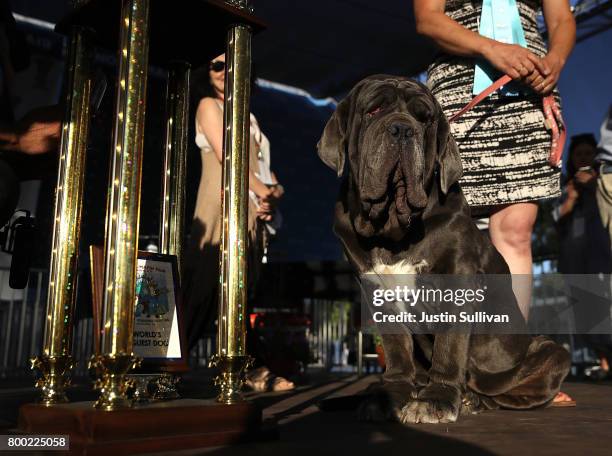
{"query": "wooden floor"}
(304, 429)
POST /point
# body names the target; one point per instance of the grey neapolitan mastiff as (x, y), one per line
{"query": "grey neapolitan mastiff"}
(400, 204)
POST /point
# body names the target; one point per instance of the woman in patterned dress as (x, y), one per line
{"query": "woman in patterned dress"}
(503, 141)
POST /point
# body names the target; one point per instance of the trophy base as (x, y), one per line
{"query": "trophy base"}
(180, 424)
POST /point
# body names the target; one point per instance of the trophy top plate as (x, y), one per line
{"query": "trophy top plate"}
(193, 31)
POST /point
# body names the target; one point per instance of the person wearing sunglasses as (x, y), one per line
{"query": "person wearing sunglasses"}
(202, 259)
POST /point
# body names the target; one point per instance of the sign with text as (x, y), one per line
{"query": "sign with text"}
(156, 329)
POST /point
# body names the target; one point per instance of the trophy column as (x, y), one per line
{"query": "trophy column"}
(172, 219)
(231, 358)
(56, 362)
(122, 213)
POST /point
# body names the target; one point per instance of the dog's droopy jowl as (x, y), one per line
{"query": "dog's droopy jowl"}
(400, 210)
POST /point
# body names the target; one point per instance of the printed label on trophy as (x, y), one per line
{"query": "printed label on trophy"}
(156, 330)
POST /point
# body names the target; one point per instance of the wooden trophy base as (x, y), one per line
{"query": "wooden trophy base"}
(160, 426)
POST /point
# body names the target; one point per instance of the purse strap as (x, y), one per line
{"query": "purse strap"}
(552, 114)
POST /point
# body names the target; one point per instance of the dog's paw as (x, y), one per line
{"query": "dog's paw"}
(429, 411)
(385, 402)
(436, 403)
(473, 403)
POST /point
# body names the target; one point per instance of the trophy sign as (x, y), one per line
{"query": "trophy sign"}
(158, 336)
(156, 315)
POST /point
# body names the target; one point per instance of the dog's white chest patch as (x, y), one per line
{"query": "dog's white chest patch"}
(401, 267)
(390, 276)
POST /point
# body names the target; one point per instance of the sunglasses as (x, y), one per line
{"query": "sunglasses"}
(217, 66)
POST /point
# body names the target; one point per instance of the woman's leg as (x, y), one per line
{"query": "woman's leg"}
(510, 228)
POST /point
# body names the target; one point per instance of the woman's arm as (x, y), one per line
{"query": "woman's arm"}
(511, 59)
(561, 28)
(447, 33)
(210, 121)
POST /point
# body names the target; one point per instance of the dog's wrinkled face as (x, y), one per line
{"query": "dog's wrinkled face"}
(396, 137)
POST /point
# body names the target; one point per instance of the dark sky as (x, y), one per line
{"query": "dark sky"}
(586, 84)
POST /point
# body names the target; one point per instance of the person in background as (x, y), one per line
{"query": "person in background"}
(202, 260)
(585, 247)
(604, 180)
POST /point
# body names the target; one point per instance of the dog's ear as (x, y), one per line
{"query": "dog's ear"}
(448, 160)
(332, 145)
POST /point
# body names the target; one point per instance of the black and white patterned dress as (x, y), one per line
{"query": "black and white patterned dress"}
(503, 141)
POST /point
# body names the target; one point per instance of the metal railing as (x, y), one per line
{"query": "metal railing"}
(22, 314)
(332, 331)
(21, 317)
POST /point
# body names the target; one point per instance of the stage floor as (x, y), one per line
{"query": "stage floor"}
(304, 429)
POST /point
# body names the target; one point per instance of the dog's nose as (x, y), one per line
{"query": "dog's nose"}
(400, 131)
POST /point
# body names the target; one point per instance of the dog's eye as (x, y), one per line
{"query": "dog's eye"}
(427, 119)
(373, 111)
(423, 115)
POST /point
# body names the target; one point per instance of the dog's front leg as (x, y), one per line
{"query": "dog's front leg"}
(397, 388)
(440, 400)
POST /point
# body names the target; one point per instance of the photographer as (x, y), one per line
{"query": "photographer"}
(578, 201)
(585, 244)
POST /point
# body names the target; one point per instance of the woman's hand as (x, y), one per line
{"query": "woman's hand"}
(514, 60)
(264, 215)
(551, 67)
(277, 191)
(268, 199)
(266, 202)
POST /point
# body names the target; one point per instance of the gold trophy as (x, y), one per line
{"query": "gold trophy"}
(168, 34)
